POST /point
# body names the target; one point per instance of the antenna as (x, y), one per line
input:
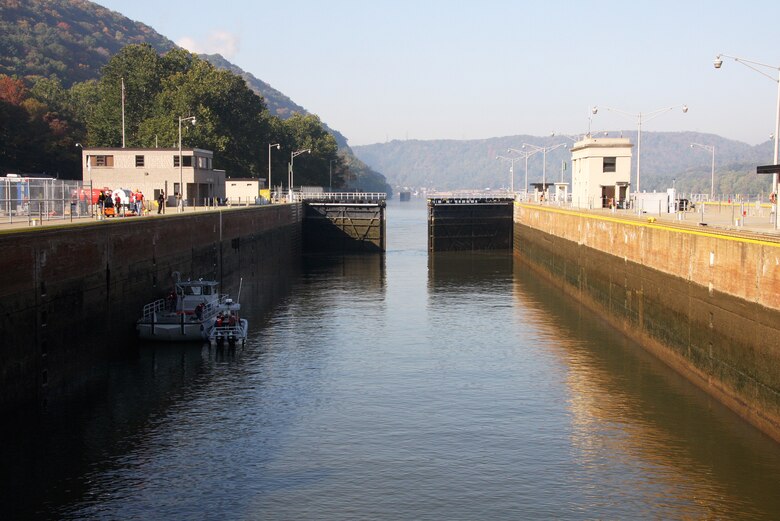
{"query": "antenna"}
(123, 113)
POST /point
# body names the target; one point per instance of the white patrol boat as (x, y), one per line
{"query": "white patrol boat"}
(229, 328)
(187, 314)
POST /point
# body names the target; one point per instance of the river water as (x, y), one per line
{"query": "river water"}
(398, 387)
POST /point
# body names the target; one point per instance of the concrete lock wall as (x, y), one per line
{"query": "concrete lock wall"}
(706, 304)
(70, 295)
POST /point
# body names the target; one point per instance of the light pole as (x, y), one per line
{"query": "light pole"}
(711, 149)
(511, 171)
(181, 176)
(271, 186)
(640, 116)
(89, 169)
(544, 151)
(293, 155)
(525, 154)
(754, 65)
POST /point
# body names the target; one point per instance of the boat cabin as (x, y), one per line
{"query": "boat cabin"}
(193, 292)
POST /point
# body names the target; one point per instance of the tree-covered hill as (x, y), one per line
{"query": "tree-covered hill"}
(279, 104)
(69, 39)
(472, 164)
(74, 39)
(49, 52)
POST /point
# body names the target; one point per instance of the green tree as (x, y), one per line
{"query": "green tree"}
(37, 129)
(301, 132)
(139, 67)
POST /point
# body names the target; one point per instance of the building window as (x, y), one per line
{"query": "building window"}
(176, 161)
(610, 164)
(139, 161)
(186, 160)
(103, 160)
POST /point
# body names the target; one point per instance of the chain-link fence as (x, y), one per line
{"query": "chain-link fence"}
(35, 200)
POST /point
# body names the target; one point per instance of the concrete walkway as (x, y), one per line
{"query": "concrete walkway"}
(723, 216)
(23, 222)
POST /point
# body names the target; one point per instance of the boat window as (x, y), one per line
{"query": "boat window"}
(207, 290)
(193, 290)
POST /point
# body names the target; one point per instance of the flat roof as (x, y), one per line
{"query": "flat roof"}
(607, 142)
(129, 149)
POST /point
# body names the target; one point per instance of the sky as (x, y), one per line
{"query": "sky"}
(377, 70)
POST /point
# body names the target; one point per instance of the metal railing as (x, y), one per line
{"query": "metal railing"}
(337, 197)
(36, 200)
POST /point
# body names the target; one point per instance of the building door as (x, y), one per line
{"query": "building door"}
(607, 196)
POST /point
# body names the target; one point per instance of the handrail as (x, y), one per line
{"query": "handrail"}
(209, 310)
(152, 308)
(339, 196)
(472, 194)
(227, 330)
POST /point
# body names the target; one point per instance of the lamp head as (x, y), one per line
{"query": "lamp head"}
(685, 109)
(79, 145)
(193, 122)
(718, 62)
(594, 110)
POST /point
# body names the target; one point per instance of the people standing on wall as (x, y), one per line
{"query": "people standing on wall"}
(102, 202)
(139, 202)
(117, 204)
(161, 203)
(179, 202)
(108, 203)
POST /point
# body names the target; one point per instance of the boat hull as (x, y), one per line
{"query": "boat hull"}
(172, 332)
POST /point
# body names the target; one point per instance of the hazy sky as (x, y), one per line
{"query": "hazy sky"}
(380, 70)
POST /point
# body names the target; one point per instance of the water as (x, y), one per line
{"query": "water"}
(398, 387)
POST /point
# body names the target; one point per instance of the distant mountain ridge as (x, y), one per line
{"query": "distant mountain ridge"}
(472, 164)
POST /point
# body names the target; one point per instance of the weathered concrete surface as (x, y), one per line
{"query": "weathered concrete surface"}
(469, 225)
(706, 303)
(70, 295)
(344, 227)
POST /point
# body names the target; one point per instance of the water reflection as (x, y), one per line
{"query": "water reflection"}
(397, 387)
(656, 439)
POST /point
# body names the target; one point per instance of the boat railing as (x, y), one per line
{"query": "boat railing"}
(152, 308)
(212, 308)
(227, 331)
